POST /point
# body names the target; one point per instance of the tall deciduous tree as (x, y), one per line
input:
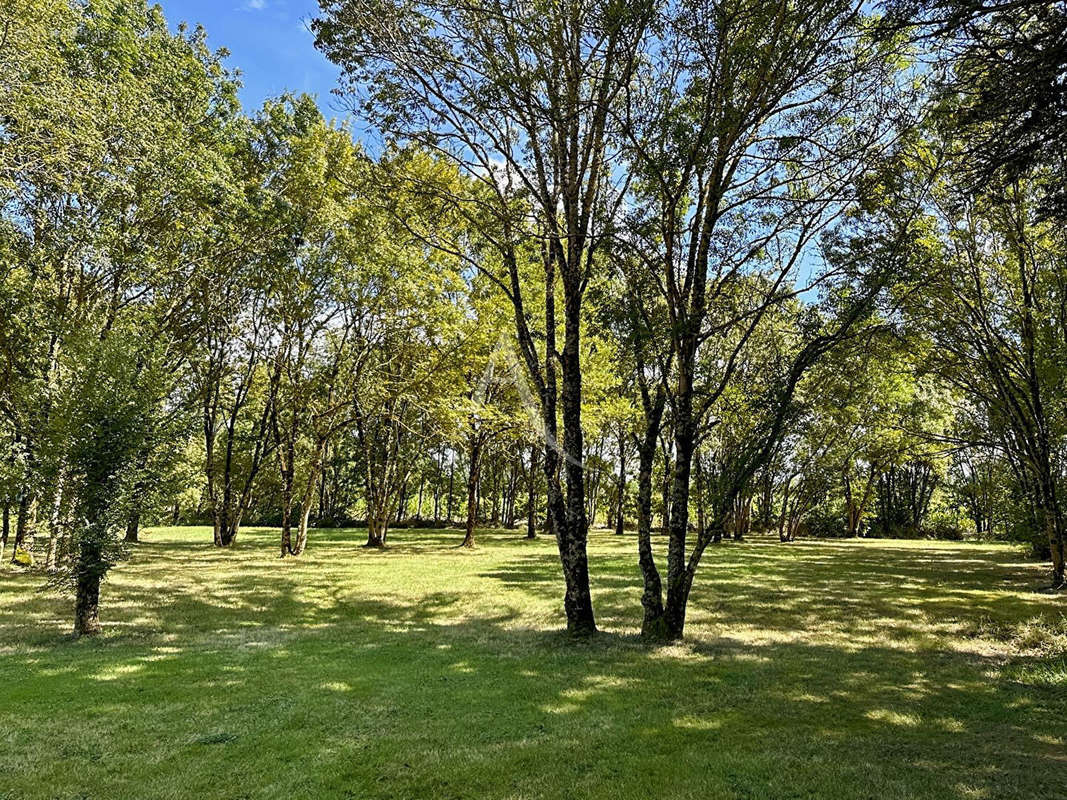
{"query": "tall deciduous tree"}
(519, 96)
(746, 140)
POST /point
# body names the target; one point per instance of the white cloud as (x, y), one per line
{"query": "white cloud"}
(255, 5)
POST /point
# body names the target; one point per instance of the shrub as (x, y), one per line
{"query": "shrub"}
(944, 528)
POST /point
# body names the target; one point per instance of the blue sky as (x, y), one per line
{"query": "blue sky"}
(268, 42)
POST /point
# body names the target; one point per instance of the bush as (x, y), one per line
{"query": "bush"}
(943, 528)
(824, 523)
(882, 530)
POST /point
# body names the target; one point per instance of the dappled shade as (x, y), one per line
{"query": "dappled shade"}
(894, 669)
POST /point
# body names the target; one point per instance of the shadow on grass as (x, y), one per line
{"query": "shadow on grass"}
(813, 671)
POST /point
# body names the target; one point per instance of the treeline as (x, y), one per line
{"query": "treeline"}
(689, 270)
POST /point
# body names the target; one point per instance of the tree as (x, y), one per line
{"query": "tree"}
(1000, 63)
(108, 173)
(321, 177)
(104, 413)
(742, 153)
(994, 314)
(518, 97)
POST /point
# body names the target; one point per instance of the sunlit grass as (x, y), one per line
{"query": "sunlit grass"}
(818, 669)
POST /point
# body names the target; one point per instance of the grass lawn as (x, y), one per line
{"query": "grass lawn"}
(813, 670)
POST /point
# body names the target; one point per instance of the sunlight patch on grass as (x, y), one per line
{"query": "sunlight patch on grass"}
(337, 686)
(697, 723)
(1055, 741)
(970, 792)
(807, 697)
(950, 724)
(118, 672)
(560, 708)
(894, 717)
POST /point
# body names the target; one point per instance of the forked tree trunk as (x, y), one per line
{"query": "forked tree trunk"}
(679, 578)
(226, 527)
(377, 528)
(306, 502)
(228, 537)
(742, 517)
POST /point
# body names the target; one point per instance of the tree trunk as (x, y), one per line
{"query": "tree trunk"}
(495, 520)
(23, 524)
(1054, 528)
(87, 589)
(451, 486)
(302, 531)
(571, 523)
(782, 534)
(473, 474)
(741, 517)
(437, 493)
(652, 596)
(678, 577)
(133, 527)
(87, 605)
(227, 525)
(376, 530)
(287, 510)
(701, 521)
(510, 495)
(322, 488)
(6, 529)
(53, 548)
(531, 500)
(665, 490)
(1058, 568)
(620, 506)
(402, 504)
